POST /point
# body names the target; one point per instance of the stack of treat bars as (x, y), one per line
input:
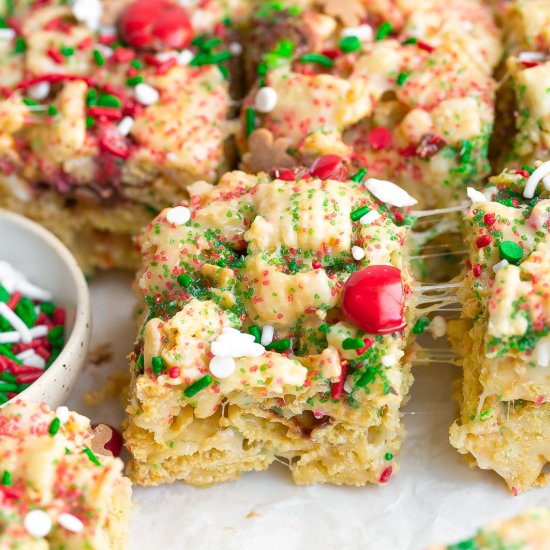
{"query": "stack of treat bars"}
(277, 169)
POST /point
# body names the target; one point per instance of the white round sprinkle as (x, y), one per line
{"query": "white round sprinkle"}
(235, 48)
(531, 56)
(88, 12)
(184, 57)
(497, 267)
(363, 32)
(369, 217)
(267, 335)
(39, 91)
(358, 253)
(62, 413)
(7, 34)
(145, 94)
(70, 523)
(222, 367)
(236, 344)
(266, 99)
(389, 193)
(37, 523)
(438, 326)
(475, 196)
(179, 215)
(539, 174)
(125, 125)
(388, 361)
(542, 352)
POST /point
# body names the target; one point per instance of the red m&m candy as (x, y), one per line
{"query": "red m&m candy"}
(156, 24)
(373, 299)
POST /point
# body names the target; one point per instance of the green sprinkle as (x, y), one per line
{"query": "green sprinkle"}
(262, 69)
(20, 45)
(349, 44)
(99, 59)
(6, 478)
(353, 343)
(384, 30)
(318, 58)
(198, 386)
(134, 80)
(367, 377)
(401, 77)
(185, 280)
(465, 151)
(7, 388)
(388, 456)
(256, 332)
(279, 345)
(528, 169)
(90, 454)
(211, 43)
(52, 111)
(411, 40)
(250, 121)
(56, 334)
(484, 414)
(8, 377)
(8, 353)
(3, 23)
(137, 64)
(47, 307)
(468, 544)
(139, 363)
(67, 51)
(157, 365)
(109, 100)
(421, 325)
(90, 121)
(54, 426)
(3, 398)
(30, 102)
(91, 97)
(284, 48)
(510, 251)
(323, 328)
(359, 213)
(359, 176)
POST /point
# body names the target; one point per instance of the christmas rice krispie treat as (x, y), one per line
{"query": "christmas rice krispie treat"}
(406, 91)
(103, 121)
(530, 530)
(276, 329)
(503, 336)
(55, 492)
(524, 105)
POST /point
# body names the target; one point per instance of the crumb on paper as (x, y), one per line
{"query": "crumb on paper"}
(103, 353)
(114, 387)
(252, 514)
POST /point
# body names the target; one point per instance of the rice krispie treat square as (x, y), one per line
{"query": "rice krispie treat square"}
(54, 491)
(503, 336)
(276, 329)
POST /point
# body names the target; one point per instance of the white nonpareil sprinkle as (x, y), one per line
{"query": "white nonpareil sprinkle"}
(357, 252)
(475, 196)
(348, 388)
(36, 361)
(235, 48)
(389, 193)
(531, 56)
(70, 523)
(37, 523)
(62, 413)
(15, 321)
(39, 331)
(88, 12)
(39, 91)
(25, 354)
(542, 352)
(125, 126)
(107, 30)
(233, 343)
(438, 326)
(146, 94)
(267, 335)
(389, 361)
(266, 100)
(535, 178)
(498, 266)
(184, 57)
(369, 217)
(13, 280)
(222, 367)
(363, 32)
(7, 34)
(9, 337)
(179, 215)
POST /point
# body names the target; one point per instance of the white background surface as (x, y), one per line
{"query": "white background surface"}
(435, 498)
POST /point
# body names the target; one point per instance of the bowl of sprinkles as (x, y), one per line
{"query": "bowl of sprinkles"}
(44, 314)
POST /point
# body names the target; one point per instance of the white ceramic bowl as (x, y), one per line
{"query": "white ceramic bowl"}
(45, 261)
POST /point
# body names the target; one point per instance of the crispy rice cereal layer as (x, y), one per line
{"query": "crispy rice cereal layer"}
(503, 336)
(48, 471)
(411, 101)
(261, 255)
(530, 530)
(80, 136)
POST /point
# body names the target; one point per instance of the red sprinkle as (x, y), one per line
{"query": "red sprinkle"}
(523, 173)
(424, 46)
(110, 113)
(28, 378)
(477, 270)
(316, 264)
(489, 219)
(55, 55)
(338, 387)
(367, 344)
(124, 55)
(285, 174)
(14, 300)
(174, 372)
(484, 240)
(386, 474)
(379, 138)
